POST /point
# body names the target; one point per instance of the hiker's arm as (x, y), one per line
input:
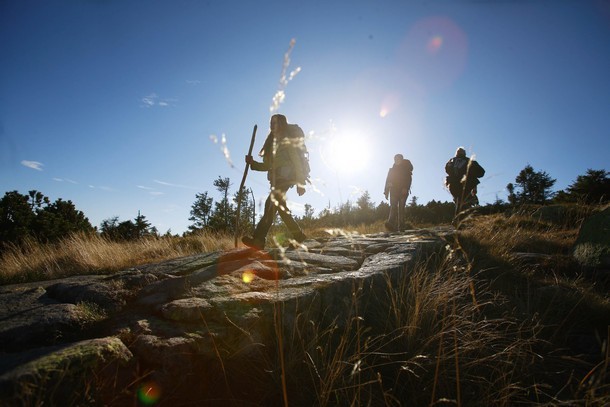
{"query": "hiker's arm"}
(388, 183)
(255, 165)
(448, 168)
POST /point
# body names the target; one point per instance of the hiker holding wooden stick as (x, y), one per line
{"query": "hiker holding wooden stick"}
(286, 162)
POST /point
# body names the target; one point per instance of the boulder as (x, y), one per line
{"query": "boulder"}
(592, 247)
(30, 318)
(61, 375)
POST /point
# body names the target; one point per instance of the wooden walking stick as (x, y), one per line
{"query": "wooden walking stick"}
(241, 187)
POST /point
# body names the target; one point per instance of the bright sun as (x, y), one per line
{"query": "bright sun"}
(348, 154)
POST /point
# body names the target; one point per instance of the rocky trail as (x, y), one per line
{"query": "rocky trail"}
(174, 317)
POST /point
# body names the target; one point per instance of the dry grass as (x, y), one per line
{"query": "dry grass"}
(91, 254)
(478, 328)
(504, 235)
(419, 340)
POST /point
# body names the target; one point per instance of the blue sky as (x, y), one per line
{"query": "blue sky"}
(115, 105)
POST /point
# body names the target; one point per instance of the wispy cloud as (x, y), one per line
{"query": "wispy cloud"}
(153, 100)
(103, 188)
(151, 191)
(169, 184)
(193, 82)
(65, 180)
(171, 208)
(150, 100)
(35, 165)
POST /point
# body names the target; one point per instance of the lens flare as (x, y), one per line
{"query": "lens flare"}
(434, 44)
(390, 102)
(247, 277)
(149, 393)
(240, 261)
(434, 53)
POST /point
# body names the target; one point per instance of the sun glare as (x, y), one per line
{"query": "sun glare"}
(349, 153)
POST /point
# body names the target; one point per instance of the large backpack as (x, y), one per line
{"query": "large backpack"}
(409, 170)
(476, 170)
(305, 162)
(296, 134)
(456, 167)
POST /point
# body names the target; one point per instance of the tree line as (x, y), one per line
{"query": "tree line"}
(35, 217)
(530, 187)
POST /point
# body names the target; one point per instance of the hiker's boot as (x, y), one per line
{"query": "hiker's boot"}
(254, 243)
(297, 240)
(390, 227)
(300, 237)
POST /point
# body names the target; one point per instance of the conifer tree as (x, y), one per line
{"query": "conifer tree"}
(535, 186)
(591, 188)
(201, 211)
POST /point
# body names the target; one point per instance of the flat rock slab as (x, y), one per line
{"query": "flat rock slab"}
(29, 318)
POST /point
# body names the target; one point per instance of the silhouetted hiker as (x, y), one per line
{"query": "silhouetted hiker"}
(462, 179)
(398, 185)
(284, 159)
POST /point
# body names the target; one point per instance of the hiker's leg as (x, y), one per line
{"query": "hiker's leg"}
(468, 201)
(392, 218)
(474, 199)
(268, 216)
(401, 211)
(286, 216)
(394, 203)
(456, 192)
(470, 195)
